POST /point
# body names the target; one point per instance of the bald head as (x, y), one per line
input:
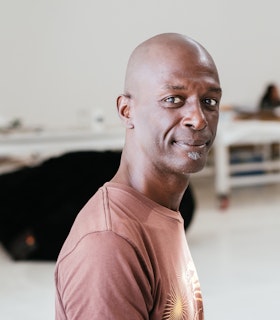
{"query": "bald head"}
(154, 54)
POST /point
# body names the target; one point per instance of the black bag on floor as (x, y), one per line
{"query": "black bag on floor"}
(38, 205)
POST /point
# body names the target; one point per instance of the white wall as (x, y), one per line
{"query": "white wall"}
(60, 59)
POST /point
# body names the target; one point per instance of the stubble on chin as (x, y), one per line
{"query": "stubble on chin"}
(194, 155)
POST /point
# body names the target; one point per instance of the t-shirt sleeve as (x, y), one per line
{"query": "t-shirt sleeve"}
(104, 277)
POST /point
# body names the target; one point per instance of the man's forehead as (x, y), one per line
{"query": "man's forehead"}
(179, 76)
(183, 80)
(180, 61)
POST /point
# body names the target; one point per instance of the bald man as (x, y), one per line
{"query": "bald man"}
(126, 256)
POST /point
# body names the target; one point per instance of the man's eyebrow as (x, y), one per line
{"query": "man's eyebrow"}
(216, 89)
(182, 87)
(175, 87)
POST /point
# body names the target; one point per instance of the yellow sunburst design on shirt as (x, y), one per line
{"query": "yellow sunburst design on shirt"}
(177, 307)
(185, 301)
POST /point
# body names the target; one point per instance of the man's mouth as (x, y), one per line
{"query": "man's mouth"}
(191, 144)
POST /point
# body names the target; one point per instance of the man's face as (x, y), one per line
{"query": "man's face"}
(175, 111)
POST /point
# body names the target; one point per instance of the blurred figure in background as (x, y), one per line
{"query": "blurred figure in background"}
(270, 98)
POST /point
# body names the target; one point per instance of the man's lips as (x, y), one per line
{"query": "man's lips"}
(197, 144)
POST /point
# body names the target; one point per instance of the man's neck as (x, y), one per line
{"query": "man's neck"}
(166, 191)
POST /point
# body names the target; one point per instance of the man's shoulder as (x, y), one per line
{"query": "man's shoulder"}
(90, 219)
(105, 210)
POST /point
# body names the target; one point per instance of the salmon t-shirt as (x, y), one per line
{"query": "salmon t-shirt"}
(126, 258)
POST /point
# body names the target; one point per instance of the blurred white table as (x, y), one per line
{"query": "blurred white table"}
(50, 142)
(241, 133)
(230, 133)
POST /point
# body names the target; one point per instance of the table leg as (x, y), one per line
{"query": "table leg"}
(222, 172)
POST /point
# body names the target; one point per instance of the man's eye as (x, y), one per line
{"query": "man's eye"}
(173, 100)
(211, 102)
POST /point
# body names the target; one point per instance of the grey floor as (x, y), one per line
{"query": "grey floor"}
(236, 253)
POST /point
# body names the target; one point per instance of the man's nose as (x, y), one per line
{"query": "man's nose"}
(194, 116)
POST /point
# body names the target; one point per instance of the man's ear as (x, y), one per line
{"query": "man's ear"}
(124, 110)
